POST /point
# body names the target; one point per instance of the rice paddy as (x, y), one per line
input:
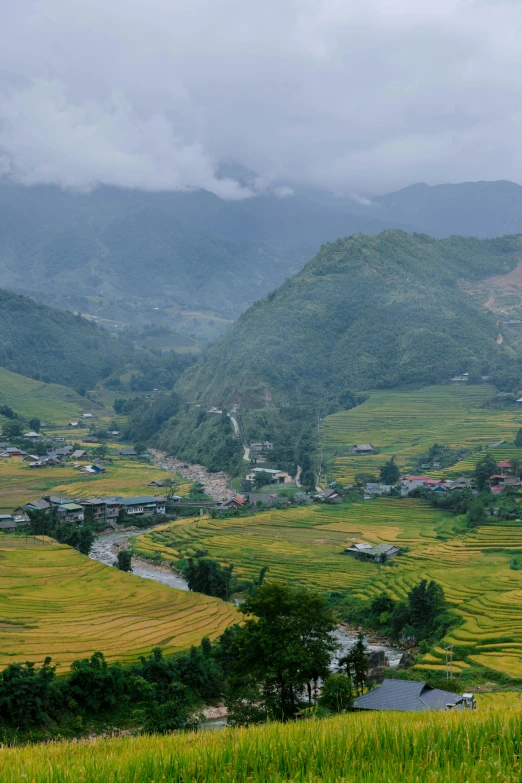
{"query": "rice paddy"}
(453, 747)
(55, 601)
(306, 546)
(20, 484)
(407, 423)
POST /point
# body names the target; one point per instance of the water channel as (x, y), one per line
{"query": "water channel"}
(102, 550)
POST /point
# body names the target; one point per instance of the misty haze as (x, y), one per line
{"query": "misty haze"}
(260, 391)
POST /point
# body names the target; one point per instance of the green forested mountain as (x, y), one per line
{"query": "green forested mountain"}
(56, 346)
(366, 312)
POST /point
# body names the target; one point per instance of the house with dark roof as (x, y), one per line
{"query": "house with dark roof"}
(126, 452)
(408, 696)
(363, 448)
(235, 502)
(7, 523)
(364, 551)
(143, 504)
(70, 512)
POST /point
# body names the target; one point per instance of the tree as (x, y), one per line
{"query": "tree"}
(34, 424)
(286, 642)
(85, 540)
(358, 663)
(336, 694)
(209, 577)
(389, 473)
(94, 684)
(100, 452)
(425, 601)
(8, 412)
(485, 468)
(26, 693)
(476, 514)
(12, 429)
(124, 560)
(262, 478)
(518, 439)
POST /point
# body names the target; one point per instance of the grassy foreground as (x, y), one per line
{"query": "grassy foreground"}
(385, 748)
(55, 601)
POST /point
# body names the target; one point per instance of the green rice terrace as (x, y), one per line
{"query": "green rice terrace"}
(306, 545)
(407, 423)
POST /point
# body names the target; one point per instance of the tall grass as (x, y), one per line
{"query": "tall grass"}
(368, 748)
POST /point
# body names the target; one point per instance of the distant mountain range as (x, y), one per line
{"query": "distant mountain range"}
(195, 262)
(366, 312)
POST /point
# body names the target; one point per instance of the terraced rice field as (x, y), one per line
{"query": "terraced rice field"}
(20, 484)
(55, 601)
(407, 423)
(305, 546)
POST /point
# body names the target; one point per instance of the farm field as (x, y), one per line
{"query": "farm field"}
(443, 747)
(407, 423)
(55, 601)
(47, 401)
(305, 546)
(20, 484)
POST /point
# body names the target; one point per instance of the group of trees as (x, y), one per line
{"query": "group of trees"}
(209, 577)
(44, 523)
(422, 618)
(267, 668)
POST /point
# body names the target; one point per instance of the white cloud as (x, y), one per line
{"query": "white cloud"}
(360, 96)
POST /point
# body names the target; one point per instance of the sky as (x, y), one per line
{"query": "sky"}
(353, 96)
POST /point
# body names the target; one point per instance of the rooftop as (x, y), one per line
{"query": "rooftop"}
(406, 696)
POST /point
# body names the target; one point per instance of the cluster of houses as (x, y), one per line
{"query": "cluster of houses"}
(55, 457)
(272, 499)
(497, 482)
(106, 509)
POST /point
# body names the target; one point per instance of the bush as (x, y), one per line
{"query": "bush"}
(336, 693)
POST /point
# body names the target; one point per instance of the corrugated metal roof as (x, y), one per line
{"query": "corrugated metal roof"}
(406, 696)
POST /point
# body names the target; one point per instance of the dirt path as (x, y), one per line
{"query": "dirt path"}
(217, 485)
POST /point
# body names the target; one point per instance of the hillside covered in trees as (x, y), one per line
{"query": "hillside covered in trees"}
(56, 346)
(366, 312)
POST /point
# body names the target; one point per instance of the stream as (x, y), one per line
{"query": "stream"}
(102, 550)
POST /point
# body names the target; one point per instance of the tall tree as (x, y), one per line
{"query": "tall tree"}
(287, 642)
(389, 473)
(425, 601)
(485, 468)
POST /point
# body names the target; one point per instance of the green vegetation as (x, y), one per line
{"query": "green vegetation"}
(366, 312)
(408, 423)
(48, 402)
(163, 693)
(55, 346)
(442, 748)
(204, 438)
(124, 560)
(305, 546)
(285, 645)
